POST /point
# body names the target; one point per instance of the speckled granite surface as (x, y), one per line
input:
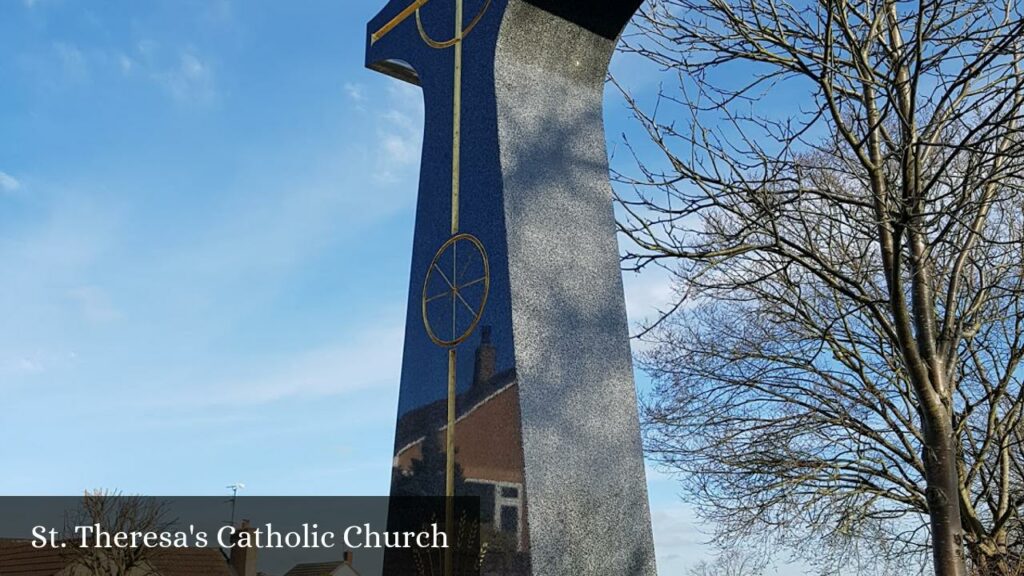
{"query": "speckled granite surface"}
(584, 467)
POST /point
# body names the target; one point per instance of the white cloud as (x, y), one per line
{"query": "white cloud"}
(17, 365)
(147, 48)
(400, 149)
(678, 540)
(656, 474)
(400, 136)
(39, 263)
(219, 11)
(370, 359)
(356, 92)
(185, 73)
(191, 80)
(8, 183)
(125, 63)
(373, 360)
(73, 63)
(648, 294)
(94, 304)
(31, 366)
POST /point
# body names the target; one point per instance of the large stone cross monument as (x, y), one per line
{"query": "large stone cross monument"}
(517, 381)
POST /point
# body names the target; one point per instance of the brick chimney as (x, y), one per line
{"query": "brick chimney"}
(486, 357)
(347, 557)
(243, 560)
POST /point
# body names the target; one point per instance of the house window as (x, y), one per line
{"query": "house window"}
(501, 505)
(488, 503)
(510, 519)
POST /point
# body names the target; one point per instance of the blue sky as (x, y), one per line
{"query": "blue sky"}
(206, 214)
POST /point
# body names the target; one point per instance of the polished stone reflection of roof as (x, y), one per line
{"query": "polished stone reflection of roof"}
(434, 416)
(318, 569)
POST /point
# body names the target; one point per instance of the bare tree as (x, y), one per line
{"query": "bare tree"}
(117, 513)
(730, 563)
(836, 187)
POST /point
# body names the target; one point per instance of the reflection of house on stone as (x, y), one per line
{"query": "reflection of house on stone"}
(488, 444)
(19, 558)
(341, 568)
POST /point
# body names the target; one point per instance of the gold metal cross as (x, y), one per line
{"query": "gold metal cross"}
(456, 43)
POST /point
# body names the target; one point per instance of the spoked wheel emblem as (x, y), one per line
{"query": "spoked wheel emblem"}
(455, 290)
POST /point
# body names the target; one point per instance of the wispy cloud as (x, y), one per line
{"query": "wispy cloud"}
(369, 362)
(126, 64)
(400, 138)
(94, 304)
(355, 92)
(30, 366)
(190, 80)
(20, 365)
(648, 294)
(366, 362)
(8, 183)
(678, 538)
(219, 11)
(73, 62)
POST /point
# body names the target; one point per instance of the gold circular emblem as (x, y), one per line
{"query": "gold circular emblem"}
(455, 290)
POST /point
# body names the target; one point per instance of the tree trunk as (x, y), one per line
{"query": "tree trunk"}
(943, 489)
(991, 558)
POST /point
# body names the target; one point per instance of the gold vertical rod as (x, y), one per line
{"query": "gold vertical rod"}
(456, 168)
(457, 118)
(449, 511)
